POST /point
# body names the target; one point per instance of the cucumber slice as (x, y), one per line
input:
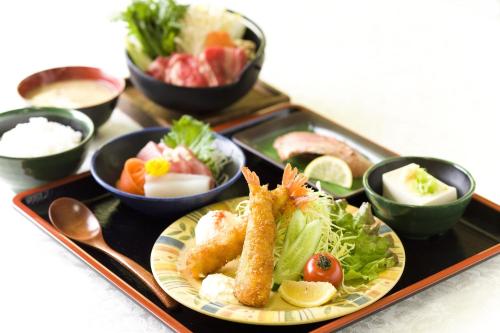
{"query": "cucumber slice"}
(295, 227)
(292, 261)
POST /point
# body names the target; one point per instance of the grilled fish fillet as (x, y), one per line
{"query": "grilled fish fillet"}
(296, 143)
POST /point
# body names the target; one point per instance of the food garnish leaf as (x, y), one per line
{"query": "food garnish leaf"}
(154, 24)
(370, 253)
(199, 138)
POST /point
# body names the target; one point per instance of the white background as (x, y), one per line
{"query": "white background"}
(419, 77)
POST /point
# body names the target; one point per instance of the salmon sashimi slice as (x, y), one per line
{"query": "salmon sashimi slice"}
(297, 143)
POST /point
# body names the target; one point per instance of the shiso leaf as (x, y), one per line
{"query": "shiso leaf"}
(199, 138)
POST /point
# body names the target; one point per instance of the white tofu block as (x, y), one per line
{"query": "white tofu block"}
(396, 187)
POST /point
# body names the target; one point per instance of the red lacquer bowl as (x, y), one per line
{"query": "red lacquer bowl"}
(99, 113)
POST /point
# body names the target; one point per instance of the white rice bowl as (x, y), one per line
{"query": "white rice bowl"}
(38, 137)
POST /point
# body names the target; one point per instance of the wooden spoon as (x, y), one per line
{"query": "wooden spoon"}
(75, 220)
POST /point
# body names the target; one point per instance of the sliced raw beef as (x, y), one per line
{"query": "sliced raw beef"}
(222, 65)
(179, 69)
(183, 70)
(157, 68)
(215, 66)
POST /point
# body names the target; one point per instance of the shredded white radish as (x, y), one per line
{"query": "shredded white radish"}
(199, 20)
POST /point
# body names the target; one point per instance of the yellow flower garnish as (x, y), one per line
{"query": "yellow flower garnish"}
(157, 166)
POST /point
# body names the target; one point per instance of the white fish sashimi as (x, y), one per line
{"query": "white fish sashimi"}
(175, 185)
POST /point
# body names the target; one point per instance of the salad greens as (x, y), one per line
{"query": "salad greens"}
(325, 225)
(199, 138)
(154, 24)
(370, 252)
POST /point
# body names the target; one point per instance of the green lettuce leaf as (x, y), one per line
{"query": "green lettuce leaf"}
(370, 252)
(154, 24)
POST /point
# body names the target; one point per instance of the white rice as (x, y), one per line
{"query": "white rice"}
(38, 137)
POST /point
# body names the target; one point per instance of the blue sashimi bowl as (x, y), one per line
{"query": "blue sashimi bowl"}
(108, 161)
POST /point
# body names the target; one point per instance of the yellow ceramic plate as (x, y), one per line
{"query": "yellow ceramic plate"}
(168, 262)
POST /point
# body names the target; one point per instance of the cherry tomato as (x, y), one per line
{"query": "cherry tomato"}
(323, 267)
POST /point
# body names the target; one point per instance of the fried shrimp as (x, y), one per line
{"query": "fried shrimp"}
(255, 270)
(253, 237)
(292, 192)
(222, 248)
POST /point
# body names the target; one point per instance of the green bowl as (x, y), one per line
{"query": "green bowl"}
(22, 173)
(420, 222)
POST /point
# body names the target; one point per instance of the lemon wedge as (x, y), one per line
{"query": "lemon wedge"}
(330, 169)
(306, 294)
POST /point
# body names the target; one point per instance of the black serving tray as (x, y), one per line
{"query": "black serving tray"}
(475, 238)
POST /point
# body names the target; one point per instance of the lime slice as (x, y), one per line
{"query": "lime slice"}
(306, 294)
(330, 169)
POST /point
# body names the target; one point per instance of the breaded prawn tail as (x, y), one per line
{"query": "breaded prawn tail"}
(255, 270)
(224, 247)
(292, 192)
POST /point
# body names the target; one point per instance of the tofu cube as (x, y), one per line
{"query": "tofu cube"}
(397, 186)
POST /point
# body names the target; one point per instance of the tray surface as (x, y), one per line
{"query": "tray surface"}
(134, 235)
(260, 138)
(167, 260)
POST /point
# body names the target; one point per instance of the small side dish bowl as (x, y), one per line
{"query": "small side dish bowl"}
(98, 111)
(420, 222)
(25, 172)
(107, 163)
(196, 101)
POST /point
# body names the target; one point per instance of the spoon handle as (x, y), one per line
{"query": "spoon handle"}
(143, 275)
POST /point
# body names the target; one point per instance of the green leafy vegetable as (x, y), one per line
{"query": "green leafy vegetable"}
(199, 138)
(154, 24)
(138, 57)
(370, 253)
